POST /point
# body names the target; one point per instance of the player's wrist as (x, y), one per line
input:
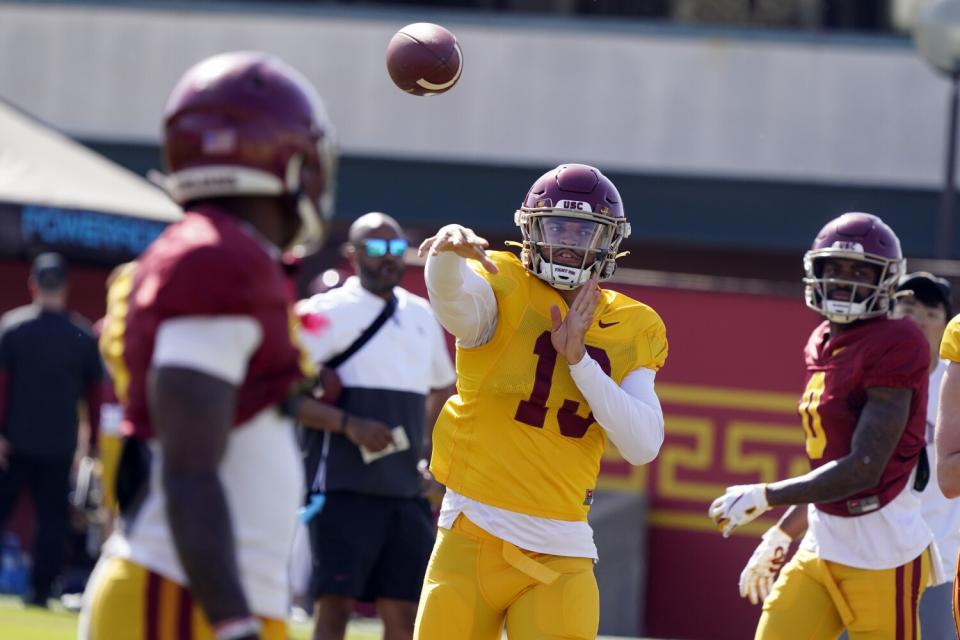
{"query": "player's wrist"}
(236, 628)
(576, 356)
(344, 423)
(763, 498)
(777, 536)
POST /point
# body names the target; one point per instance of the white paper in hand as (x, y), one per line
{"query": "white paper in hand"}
(400, 443)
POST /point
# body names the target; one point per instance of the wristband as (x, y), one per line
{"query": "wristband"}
(236, 628)
(344, 416)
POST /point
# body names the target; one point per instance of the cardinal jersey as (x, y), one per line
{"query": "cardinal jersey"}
(210, 269)
(839, 370)
(519, 435)
(950, 344)
(208, 264)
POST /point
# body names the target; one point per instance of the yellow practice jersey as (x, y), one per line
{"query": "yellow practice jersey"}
(519, 435)
(950, 344)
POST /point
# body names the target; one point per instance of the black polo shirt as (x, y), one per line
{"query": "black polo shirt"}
(51, 360)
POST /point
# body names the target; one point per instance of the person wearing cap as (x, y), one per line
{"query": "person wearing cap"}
(925, 298)
(48, 362)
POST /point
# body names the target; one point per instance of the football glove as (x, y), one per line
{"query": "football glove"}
(758, 576)
(741, 504)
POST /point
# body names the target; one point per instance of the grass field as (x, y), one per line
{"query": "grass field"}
(20, 623)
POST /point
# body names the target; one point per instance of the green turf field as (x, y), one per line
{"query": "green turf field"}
(20, 623)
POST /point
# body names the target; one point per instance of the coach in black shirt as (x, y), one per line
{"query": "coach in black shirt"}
(48, 362)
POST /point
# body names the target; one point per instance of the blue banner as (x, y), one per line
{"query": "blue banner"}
(87, 229)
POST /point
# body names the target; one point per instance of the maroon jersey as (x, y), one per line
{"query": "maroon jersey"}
(840, 369)
(208, 264)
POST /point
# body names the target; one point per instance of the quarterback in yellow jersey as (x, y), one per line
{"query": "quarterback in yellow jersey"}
(948, 431)
(549, 368)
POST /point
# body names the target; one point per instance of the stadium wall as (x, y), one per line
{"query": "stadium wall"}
(726, 138)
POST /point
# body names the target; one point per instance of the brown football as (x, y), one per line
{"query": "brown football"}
(424, 59)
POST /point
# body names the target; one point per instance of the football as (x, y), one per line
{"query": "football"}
(424, 59)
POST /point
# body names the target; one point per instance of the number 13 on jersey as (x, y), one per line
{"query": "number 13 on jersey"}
(533, 411)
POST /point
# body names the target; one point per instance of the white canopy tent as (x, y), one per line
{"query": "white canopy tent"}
(57, 194)
(39, 165)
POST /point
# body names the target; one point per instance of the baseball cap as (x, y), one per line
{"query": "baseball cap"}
(928, 289)
(49, 270)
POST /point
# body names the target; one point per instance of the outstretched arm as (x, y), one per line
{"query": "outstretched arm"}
(881, 423)
(463, 301)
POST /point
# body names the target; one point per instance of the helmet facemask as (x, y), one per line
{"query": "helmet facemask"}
(312, 190)
(879, 298)
(564, 248)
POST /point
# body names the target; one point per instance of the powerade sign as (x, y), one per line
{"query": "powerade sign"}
(87, 230)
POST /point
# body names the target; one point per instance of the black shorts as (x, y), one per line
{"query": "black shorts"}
(370, 547)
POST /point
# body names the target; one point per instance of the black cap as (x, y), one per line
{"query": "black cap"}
(50, 271)
(928, 289)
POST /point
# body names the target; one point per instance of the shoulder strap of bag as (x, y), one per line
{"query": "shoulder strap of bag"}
(369, 332)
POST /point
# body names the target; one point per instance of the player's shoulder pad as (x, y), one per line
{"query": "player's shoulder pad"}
(954, 325)
(621, 308)
(950, 342)
(897, 333)
(508, 263)
(510, 272)
(213, 279)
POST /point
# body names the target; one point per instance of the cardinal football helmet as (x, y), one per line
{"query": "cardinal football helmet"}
(854, 236)
(572, 223)
(247, 124)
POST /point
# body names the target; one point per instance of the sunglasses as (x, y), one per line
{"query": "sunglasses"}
(377, 247)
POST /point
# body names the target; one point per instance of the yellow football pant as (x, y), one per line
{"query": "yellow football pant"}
(956, 596)
(110, 447)
(130, 602)
(815, 599)
(475, 581)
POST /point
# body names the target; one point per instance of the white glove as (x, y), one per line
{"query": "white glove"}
(741, 504)
(757, 577)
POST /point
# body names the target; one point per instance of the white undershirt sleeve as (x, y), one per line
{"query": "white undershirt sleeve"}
(463, 301)
(442, 373)
(220, 346)
(630, 413)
